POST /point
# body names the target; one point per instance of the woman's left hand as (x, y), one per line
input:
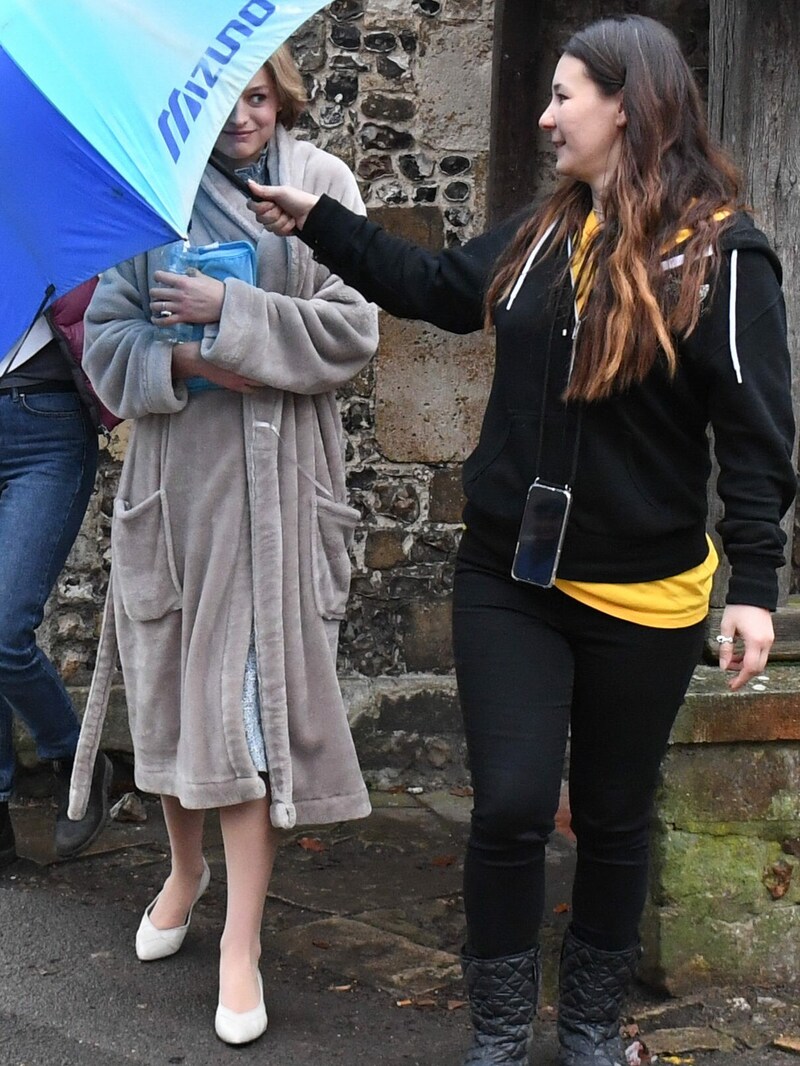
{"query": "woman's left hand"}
(190, 297)
(753, 626)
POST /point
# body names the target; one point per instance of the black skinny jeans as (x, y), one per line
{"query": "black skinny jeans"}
(534, 665)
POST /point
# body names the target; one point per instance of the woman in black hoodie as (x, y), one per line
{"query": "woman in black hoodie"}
(637, 306)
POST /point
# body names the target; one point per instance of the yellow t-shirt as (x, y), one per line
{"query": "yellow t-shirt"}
(671, 602)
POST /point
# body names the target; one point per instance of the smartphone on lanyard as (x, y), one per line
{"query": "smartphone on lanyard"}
(541, 534)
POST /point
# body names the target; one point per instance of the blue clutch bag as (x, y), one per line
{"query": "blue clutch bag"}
(232, 259)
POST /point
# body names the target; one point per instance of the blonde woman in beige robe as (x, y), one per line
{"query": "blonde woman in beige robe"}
(230, 536)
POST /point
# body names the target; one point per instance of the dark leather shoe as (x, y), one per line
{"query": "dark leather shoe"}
(71, 838)
(8, 847)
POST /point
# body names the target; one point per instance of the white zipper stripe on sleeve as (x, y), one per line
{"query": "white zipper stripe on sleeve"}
(732, 316)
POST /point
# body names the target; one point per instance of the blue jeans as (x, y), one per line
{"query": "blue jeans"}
(48, 459)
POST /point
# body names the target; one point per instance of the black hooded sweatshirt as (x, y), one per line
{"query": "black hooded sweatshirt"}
(638, 463)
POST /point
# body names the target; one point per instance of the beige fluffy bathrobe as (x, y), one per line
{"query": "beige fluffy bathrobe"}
(231, 518)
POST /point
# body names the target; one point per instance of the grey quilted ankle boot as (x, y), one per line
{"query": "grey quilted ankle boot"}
(503, 994)
(592, 985)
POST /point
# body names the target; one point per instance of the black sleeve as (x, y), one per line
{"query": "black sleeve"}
(752, 418)
(446, 289)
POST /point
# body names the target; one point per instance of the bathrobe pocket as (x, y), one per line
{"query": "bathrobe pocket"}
(142, 557)
(332, 530)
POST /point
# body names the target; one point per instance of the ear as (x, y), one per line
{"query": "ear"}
(622, 118)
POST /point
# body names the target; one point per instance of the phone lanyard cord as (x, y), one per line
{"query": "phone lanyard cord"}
(546, 382)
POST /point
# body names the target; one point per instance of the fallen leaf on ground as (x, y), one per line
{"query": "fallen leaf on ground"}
(561, 908)
(461, 790)
(456, 1004)
(312, 844)
(777, 878)
(323, 944)
(788, 1043)
(443, 860)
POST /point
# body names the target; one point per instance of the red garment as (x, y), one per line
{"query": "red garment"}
(65, 316)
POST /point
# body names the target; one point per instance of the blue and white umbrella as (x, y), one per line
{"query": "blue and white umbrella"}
(110, 109)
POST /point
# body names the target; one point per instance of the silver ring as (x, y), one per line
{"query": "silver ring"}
(720, 639)
(165, 313)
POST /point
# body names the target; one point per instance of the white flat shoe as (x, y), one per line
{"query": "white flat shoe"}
(240, 1027)
(152, 943)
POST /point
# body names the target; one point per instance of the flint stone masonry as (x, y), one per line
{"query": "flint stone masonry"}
(446, 496)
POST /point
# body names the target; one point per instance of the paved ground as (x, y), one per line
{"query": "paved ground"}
(360, 943)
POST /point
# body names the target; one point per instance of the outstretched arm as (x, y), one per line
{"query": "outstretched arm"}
(446, 288)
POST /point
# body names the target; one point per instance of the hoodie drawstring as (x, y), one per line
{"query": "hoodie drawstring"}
(531, 258)
(667, 264)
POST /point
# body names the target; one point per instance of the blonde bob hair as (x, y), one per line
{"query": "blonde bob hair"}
(292, 95)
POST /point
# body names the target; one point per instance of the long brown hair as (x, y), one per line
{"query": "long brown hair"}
(670, 176)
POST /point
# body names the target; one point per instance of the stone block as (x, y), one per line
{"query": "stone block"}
(767, 708)
(431, 391)
(346, 10)
(436, 546)
(423, 225)
(446, 496)
(427, 637)
(116, 735)
(683, 954)
(407, 729)
(375, 166)
(420, 706)
(384, 549)
(385, 107)
(400, 500)
(744, 789)
(454, 111)
(728, 879)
